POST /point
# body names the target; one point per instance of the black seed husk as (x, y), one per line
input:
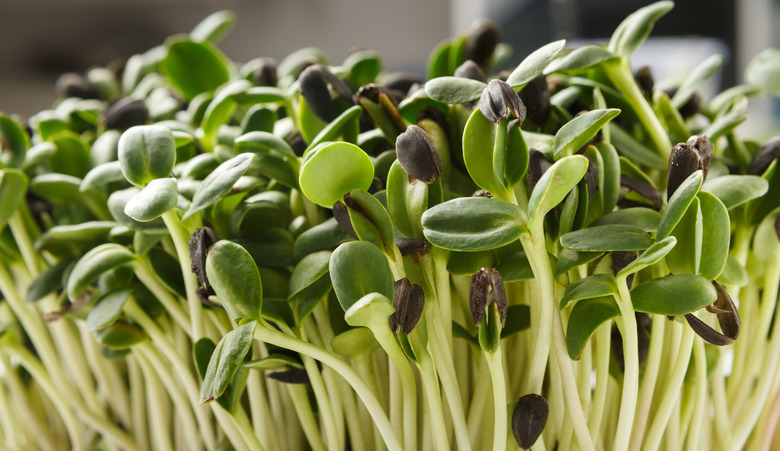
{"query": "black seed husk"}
(409, 301)
(125, 113)
(417, 155)
(469, 69)
(529, 418)
(683, 161)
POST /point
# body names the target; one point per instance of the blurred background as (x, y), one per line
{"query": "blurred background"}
(44, 38)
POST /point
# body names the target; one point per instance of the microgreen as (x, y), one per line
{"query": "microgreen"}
(187, 228)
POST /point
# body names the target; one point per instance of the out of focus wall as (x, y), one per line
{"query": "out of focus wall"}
(42, 38)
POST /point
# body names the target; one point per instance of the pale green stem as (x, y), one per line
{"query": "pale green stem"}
(720, 408)
(244, 427)
(432, 396)
(671, 392)
(631, 372)
(603, 346)
(699, 410)
(155, 400)
(300, 400)
(149, 278)
(32, 258)
(654, 354)
(259, 408)
(323, 400)
(496, 369)
(107, 377)
(620, 74)
(181, 236)
(269, 335)
(184, 375)
(10, 429)
(138, 407)
(175, 393)
(61, 402)
(541, 309)
(476, 416)
(758, 344)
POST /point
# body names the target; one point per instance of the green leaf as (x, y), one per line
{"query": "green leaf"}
(146, 152)
(673, 295)
(221, 108)
(407, 200)
(715, 237)
(354, 342)
(696, 79)
(336, 128)
(290, 65)
(650, 256)
(726, 123)
(633, 31)
(309, 270)
(646, 219)
(584, 319)
(437, 61)
(516, 267)
(260, 94)
(13, 188)
(72, 157)
(576, 133)
(282, 169)
(473, 224)
(156, 198)
(735, 190)
(14, 140)
(734, 273)
(767, 243)
(274, 361)
(201, 354)
(120, 335)
(116, 206)
(107, 310)
(102, 174)
(195, 67)
(86, 231)
(555, 185)
(631, 148)
(580, 58)
(334, 169)
(226, 360)
(685, 258)
(670, 116)
(613, 237)
(263, 141)
(370, 220)
(214, 27)
(611, 160)
(467, 263)
(58, 188)
(678, 204)
(568, 259)
(371, 311)
(219, 182)
(362, 67)
(534, 64)
(358, 268)
(518, 318)
(236, 281)
(324, 236)
(454, 90)
(727, 97)
(763, 69)
(94, 263)
(479, 153)
(595, 286)
(48, 281)
(516, 162)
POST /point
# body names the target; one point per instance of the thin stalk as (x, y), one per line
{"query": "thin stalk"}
(269, 335)
(61, 402)
(620, 75)
(259, 408)
(323, 401)
(175, 393)
(496, 369)
(150, 279)
(32, 258)
(672, 391)
(541, 308)
(699, 409)
(631, 371)
(181, 236)
(107, 377)
(300, 400)
(137, 403)
(478, 401)
(181, 369)
(155, 399)
(433, 398)
(10, 429)
(244, 427)
(649, 379)
(603, 346)
(720, 408)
